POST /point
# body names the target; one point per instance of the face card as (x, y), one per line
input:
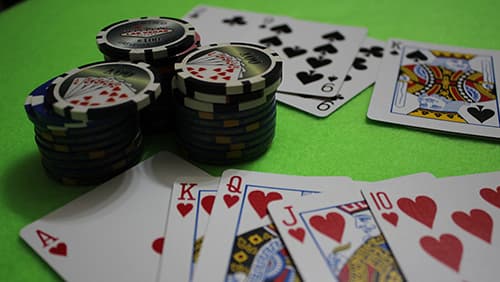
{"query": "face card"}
(316, 56)
(190, 208)
(216, 25)
(361, 75)
(114, 232)
(438, 87)
(240, 241)
(449, 228)
(333, 236)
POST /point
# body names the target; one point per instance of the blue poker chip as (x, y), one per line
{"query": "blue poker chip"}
(43, 116)
(40, 114)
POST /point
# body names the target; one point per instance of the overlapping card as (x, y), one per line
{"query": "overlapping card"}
(422, 85)
(165, 220)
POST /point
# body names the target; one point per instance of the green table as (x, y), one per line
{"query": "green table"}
(41, 39)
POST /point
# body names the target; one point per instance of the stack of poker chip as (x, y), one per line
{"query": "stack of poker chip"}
(225, 107)
(158, 41)
(86, 120)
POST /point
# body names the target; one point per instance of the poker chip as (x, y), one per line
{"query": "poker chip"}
(224, 99)
(158, 41)
(228, 69)
(146, 39)
(103, 90)
(86, 152)
(188, 118)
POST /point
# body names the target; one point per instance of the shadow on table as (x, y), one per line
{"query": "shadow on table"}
(29, 192)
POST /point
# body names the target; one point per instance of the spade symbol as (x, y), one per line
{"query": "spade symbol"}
(271, 41)
(375, 51)
(332, 36)
(308, 77)
(326, 48)
(236, 20)
(283, 28)
(359, 64)
(318, 62)
(337, 97)
(332, 78)
(394, 52)
(416, 56)
(347, 78)
(294, 52)
(481, 114)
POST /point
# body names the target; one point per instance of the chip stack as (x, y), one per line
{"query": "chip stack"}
(86, 120)
(225, 107)
(158, 41)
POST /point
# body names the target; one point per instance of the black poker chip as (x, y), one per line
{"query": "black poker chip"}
(225, 104)
(146, 39)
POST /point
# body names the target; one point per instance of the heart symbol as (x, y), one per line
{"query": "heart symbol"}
(104, 92)
(318, 62)
(259, 201)
(448, 249)
(87, 97)
(208, 203)
(59, 250)
(479, 223)
(307, 78)
(391, 217)
(481, 114)
(332, 225)
(111, 100)
(297, 233)
(158, 245)
(490, 196)
(423, 209)
(230, 200)
(184, 209)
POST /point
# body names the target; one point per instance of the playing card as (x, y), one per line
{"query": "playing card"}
(317, 56)
(114, 232)
(361, 75)
(438, 87)
(220, 25)
(333, 237)
(240, 241)
(190, 208)
(447, 228)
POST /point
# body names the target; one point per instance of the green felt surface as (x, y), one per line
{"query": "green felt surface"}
(43, 38)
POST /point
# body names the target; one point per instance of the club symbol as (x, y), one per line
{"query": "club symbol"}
(375, 51)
